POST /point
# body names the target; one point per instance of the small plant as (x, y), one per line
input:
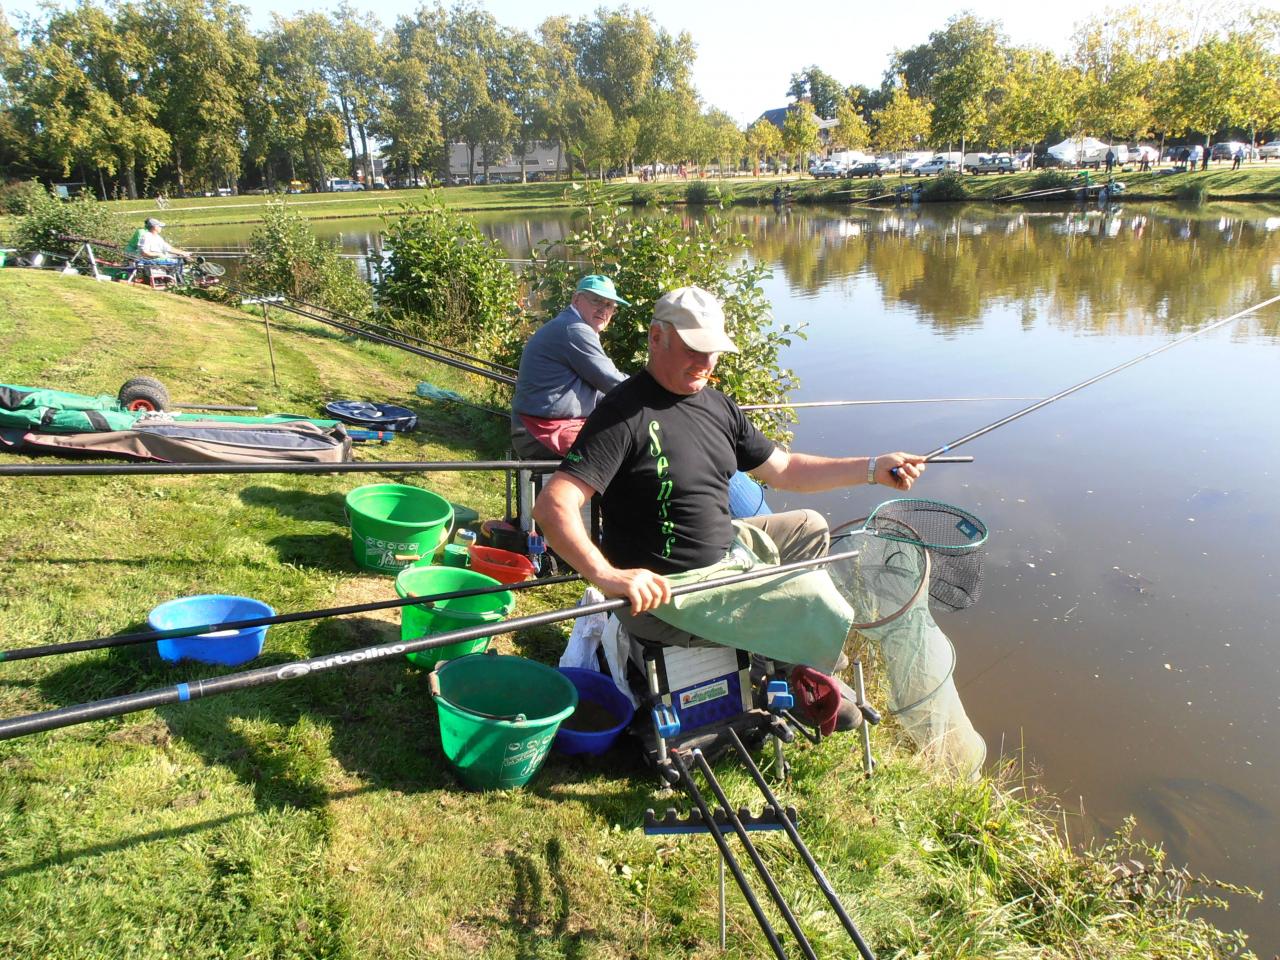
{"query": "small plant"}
(287, 257)
(1050, 179)
(701, 194)
(947, 188)
(17, 196)
(50, 223)
(876, 187)
(648, 256)
(640, 198)
(1192, 194)
(444, 280)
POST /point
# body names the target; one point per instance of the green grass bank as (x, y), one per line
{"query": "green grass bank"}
(318, 819)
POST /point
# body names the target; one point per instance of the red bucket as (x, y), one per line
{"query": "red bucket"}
(503, 565)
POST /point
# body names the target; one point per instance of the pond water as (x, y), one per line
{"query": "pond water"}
(1123, 646)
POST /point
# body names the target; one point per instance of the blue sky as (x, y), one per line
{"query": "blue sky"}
(747, 51)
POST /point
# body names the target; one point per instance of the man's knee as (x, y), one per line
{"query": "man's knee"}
(798, 534)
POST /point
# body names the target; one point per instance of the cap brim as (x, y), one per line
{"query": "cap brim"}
(615, 298)
(707, 341)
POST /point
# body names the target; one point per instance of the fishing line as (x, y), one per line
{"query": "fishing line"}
(930, 457)
(808, 404)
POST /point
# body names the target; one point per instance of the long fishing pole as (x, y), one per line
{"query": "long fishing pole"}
(932, 456)
(388, 341)
(362, 466)
(813, 404)
(295, 669)
(146, 636)
(301, 304)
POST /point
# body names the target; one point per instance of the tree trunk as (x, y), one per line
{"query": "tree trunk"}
(346, 125)
(131, 182)
(364, 155)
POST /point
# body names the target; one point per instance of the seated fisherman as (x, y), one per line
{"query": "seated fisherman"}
(149, 247)
(563, 372)
(661, 449)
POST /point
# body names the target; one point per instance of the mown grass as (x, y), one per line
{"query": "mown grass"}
(318, 819)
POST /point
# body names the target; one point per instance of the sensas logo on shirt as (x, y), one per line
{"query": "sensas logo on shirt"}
(662, 467)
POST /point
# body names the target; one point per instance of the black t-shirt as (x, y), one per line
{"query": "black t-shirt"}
(663, 462)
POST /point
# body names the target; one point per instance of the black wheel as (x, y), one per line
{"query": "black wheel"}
(143, 393)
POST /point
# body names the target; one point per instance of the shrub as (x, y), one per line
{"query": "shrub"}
(1192, 194)
(17, 196)
(945, 188)
(445, 281)
(647, 256)
(285, 256)
(48, 220)
(1050, 179)
(876, 187)
(701, 194)
(640, 198)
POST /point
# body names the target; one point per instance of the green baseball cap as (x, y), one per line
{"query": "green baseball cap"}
(601, 286)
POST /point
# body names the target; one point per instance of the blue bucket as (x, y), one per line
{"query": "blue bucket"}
(598, 692)
(226, 647)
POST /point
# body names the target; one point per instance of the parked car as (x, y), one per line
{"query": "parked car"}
(867, 168)
(993, 164)
(935, 166)
(1226, 150)
(1270, 150)
(345, 186)
(828, 168)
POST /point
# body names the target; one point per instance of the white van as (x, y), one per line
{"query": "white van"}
(345, 186)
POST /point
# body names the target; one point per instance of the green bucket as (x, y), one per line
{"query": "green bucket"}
(392, 525)
(499, 716)
(456, 614)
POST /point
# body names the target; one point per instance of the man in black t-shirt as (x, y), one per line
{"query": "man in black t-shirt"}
(661, 448)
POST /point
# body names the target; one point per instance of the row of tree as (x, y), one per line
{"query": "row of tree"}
(1129, 76)
(180, 95)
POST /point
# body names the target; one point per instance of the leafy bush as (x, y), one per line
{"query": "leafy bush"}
(646, 257)
(285, 256)
(48, 220)
(876, 187)
(1051, 179)
(640, 198)
(17, 196)
(1192, 194)
(700, 194)
(445, 281)
(945, 188)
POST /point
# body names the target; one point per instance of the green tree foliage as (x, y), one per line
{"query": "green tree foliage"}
(852, 132)
(1035, 97)
(356, 67)
(203, 52)
(444, 281)
(647, 256)
(969, 53)
(285, 256)
(821, 89)
(904, 121)
(764, 141)
(800, 131)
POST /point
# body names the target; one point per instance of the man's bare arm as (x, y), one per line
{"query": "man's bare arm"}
(558, 513)
(806, 473)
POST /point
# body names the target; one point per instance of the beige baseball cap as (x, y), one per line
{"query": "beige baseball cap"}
(698, 317)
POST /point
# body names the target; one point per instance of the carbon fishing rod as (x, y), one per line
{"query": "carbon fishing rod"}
(708, 818)
(184, 469)
(303, 306)
(790, 828)
(812, 404)
(378, 338)
(932, 457)
(146, 636)
(296, 669)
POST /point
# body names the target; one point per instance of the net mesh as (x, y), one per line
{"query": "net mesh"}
(885, 584)
(953, 537)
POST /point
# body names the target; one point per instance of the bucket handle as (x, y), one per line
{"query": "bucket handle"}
(433, 684)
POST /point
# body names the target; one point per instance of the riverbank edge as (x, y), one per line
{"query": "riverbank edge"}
(1258, 184)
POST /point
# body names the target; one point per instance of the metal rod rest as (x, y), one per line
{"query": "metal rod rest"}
(801, 848)
(727, 854)
(745, 839)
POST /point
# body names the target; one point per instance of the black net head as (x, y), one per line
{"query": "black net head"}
(953, 537)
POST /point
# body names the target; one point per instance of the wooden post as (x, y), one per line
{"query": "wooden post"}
(271, 350)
